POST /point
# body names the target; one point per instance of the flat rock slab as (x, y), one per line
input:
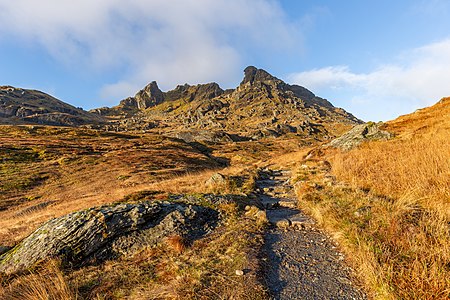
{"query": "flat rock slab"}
(284, 217)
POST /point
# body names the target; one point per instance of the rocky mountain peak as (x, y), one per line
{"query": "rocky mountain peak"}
(150, 96)
(253, 74)
(261, 106)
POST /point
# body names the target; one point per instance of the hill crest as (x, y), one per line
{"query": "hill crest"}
(23, 106)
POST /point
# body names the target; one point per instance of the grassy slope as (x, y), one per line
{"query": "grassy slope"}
(391, 211)
(49, 171)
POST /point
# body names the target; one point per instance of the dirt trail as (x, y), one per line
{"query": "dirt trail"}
(301, 261)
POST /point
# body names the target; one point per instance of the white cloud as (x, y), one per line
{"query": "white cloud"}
(171, 41)
(417, 78)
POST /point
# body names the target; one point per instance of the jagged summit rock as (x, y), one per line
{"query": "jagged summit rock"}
(151, 95)
(260, 81)
(253, 74)
(195, 92)
(261, 106)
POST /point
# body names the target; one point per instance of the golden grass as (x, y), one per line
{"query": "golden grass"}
(47, 283)
(177, 243)
(393, 214)
(173, 270)
(408, 232)
(412, 169)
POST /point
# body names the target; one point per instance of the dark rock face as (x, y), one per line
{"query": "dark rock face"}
(308, 96)
(252, 74)
(4, 249)
(96, 234)
(364, 132)
(301, 92)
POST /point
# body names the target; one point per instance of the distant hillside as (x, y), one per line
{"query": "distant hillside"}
(426, 120)
(22, 106)
(261, 106)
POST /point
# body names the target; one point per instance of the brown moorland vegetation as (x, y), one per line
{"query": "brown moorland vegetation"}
(81, 168)
(47, 172)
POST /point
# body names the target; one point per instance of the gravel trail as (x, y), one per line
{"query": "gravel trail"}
(301, 262)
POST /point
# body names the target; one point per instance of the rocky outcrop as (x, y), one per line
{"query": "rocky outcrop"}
(152, 96)
(149, 96)
(198, 92)
(252, 74)
(254, 77)
(216, 179)
(364, 132)
(96, 234)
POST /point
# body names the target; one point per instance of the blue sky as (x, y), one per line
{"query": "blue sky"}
(377, 59)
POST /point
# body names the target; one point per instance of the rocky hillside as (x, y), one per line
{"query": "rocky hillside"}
(22, 106)
(261, 106)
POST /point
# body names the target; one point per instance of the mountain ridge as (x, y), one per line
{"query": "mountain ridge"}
(261, 106)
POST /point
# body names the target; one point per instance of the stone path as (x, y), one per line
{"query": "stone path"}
(300, 261)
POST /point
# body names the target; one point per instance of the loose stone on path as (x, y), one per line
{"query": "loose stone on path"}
(302, 262)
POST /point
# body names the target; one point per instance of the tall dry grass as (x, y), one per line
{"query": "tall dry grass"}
(47, 283)
(416, 168)
(405, 237)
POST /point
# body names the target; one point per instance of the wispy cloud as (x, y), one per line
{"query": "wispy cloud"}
(171, 41)
(417, 78)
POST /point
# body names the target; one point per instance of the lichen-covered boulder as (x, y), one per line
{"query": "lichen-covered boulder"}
(97, 234)
(360, 133)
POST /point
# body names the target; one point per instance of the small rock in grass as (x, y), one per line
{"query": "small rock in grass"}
(261, 216)
(216, 179)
